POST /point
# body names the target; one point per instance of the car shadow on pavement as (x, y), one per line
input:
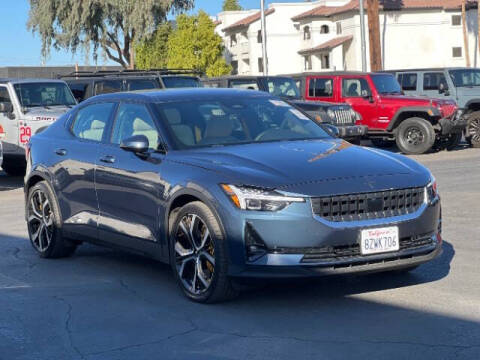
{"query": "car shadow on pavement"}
(10, 182)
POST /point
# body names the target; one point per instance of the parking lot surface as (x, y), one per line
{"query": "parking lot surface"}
(105, 304)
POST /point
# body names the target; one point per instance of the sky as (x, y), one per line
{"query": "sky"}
(20, 47)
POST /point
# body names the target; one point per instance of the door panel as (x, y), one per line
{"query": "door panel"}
(357, 92)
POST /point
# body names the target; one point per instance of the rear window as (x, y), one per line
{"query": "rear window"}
(432, 81)
(181, 82)
(108, 86)
(141, 84)
(320, 87)
(244, 84)
(408, 81)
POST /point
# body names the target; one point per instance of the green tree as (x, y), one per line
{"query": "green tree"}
(195, 45)
(153, 52)
(110, 25)
(231, 5)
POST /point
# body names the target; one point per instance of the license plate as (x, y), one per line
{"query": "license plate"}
(376, 241)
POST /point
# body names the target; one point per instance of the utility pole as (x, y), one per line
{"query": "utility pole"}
(362, 36)
(374, 35)
(465, 34)
(264, 38)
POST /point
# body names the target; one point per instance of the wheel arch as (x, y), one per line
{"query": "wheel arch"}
(409, 112)
(472, 105)
(33, 178)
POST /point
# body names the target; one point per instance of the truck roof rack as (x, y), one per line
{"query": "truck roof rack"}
(127, 72)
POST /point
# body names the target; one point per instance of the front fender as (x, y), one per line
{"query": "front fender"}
(429, 111)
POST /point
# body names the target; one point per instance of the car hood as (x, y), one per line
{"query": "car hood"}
(44, 113)
(312, 168)
(414, 100)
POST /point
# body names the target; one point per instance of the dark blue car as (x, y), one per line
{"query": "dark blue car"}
(225, 184)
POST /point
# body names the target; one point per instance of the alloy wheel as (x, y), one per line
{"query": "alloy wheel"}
(40, 221)
(474, 130)
(194, 254)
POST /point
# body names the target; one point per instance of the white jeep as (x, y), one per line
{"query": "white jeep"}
(27, 107)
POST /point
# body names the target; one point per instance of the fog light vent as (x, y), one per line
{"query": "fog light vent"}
(254, 245)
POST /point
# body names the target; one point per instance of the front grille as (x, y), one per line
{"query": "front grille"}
(366, 206)
(343, 117)
(351, 252)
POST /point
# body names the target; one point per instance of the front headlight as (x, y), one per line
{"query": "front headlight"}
(256, 199)
(431, 191)
(331, 113)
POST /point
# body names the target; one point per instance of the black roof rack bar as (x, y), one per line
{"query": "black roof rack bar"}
(102, 73)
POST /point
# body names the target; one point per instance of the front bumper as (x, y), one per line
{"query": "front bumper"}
(454, 123)
(352, 131)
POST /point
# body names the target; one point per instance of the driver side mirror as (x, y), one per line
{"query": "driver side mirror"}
(331, 130)
(138, 144)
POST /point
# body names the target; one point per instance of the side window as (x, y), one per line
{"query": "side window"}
(134, 119)
(90, 121)
(142, 84)
(320, 87)
(408, 81)
(78, 90)
(432, 81)
(355, 87)
(4, 97)
(244, 84)
(108, 86)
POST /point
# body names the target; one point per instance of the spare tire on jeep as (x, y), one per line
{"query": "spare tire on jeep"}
(415, 136)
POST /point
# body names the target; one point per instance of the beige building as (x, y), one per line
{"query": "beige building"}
(325, 35)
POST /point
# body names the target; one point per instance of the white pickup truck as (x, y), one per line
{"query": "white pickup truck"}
(28, 106)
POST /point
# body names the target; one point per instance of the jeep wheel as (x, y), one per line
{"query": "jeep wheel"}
(472, 133)
(415, 136)
(381, 143)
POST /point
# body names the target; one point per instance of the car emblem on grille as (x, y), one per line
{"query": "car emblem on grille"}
(375, 204)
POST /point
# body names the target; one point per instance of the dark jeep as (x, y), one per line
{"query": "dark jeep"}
(341, 116)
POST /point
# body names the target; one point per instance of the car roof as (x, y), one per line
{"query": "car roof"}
(429, 69)
(183, 94)
(29, 81)
(330, 73)
(244, 77)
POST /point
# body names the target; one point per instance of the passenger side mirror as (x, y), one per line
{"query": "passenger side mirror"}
(137, 144)
(331, 130)
(6, 107)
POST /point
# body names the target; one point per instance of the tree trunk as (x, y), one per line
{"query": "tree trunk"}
(465, 34)
(374, 35)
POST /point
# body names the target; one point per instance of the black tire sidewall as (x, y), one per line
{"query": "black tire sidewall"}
(221, 268)
(471, 116)
(427, 130)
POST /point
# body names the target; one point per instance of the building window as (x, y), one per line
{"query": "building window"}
(324, 29)
(325, 61)
(260, 65)
(259, 36)
(308, 62)
(233, 40)
(234, 64)
(339, 28)
(457, 52)
(456, 20)
(306, 33)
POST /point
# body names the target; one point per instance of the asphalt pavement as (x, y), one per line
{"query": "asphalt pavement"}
(105, 304)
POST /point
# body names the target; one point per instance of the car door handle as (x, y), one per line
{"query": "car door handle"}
(108, 159)
(61, 152)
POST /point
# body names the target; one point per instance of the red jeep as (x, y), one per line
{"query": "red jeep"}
(415, 123)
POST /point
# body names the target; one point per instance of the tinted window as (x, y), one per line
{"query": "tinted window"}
(357, 87)
(4, 97)
(408, 81)
(386, 84)
(465, 77)
(108, 86)
(431, 81)
(236, 121)
(142, 84)
(78, 90)
(244, 84)
(283, 87)
(181, 82)
(320, 87)
(90, 121)
(134, 119)
(44, 94)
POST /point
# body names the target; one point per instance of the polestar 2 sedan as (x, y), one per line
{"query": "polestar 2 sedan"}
(225, 185)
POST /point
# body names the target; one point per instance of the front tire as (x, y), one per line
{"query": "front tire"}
(198, 254)
(415, 136)
(44, 223)
(472, 133)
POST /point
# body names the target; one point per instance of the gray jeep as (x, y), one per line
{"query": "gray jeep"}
(459, 84)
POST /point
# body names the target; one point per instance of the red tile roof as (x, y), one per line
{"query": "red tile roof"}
(326, 11)
(248, 20)
(330, 44)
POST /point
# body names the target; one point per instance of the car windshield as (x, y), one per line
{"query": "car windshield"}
(465, 77)
(181, 82)
(44, 94)
(283, 87)
(238, 120)
(386, 84)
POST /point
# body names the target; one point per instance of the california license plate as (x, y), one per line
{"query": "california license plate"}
(376, 241)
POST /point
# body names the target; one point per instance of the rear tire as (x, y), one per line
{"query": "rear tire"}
(415, 136)
(472, 133)
(198, 254)
(44, 223)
